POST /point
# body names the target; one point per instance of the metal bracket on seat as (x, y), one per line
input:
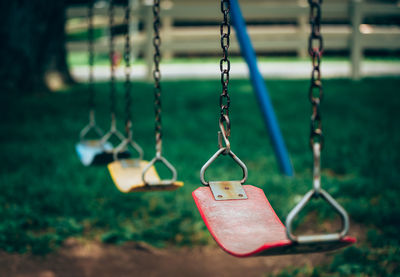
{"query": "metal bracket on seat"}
(227, 190)
(127, 163)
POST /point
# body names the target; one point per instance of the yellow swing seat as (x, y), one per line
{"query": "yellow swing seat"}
(127, 176)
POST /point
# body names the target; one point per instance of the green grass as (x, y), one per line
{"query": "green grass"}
(81, 59)
(47, 195)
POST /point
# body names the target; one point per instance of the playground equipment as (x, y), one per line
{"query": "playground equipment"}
(89, 150)
(107, 155)
(131, 175)
(238, 216)
(172, 183)
(100, 150)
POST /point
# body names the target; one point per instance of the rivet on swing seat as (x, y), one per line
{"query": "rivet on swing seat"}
(250, 227)
(227, 190)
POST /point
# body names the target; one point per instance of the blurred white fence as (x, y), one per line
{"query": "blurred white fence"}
(190, 27)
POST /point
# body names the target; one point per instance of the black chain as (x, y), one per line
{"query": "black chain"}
(112, 57)
(157, 75)
(127, 53)
(91, 55)
(225, 66)
(315, 49)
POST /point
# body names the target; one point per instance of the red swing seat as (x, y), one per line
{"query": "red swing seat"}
(250, 227)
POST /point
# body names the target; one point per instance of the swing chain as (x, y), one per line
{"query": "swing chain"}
(157, 106)
(91, 103)
(315, 49)
(157, 76)
(224, 103)
(91, 60)
(112, 60)
(128, 99)
(127, 52)
(316, 140)
(225, 66)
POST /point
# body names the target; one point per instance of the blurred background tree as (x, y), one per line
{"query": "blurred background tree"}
(32, 53)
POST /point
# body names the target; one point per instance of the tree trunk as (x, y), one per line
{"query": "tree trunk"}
(33, 46)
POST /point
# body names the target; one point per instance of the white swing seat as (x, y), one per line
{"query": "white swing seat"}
(88, 150)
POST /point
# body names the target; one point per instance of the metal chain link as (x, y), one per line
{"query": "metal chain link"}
(112, 57)
(225, 66)
(157, 76)
(315, 49)
(127, 53)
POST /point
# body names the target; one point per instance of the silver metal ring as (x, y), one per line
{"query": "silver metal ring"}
(123, 146)
(87, 129)
(167, 164)
(317, 237)
(108, 135)
(215, 156)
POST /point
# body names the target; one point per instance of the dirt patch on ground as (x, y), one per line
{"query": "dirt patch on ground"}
(89, 259)
(132, 259)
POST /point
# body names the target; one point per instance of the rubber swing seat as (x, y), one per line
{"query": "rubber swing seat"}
(92, 152)
(245, 228)
(127, 177)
